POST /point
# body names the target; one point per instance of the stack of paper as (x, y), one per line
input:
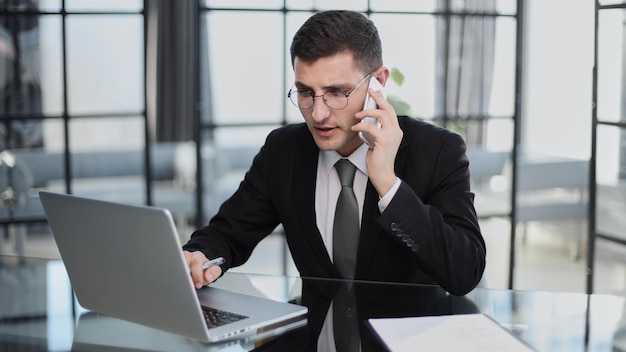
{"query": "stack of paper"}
(466, 332)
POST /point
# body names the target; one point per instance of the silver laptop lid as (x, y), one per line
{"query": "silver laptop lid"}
(119, 260)
(126, 261)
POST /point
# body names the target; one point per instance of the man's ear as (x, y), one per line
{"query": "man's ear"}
(382, 75)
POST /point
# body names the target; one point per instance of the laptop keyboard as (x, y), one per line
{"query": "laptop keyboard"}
(215, 317)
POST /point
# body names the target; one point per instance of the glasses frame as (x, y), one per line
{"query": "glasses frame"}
(348, 95)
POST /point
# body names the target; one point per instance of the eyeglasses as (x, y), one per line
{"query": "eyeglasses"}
(335, 99)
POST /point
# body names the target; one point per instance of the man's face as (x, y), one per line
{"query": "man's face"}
(331, 128)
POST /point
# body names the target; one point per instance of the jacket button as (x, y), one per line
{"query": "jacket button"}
(394, 226)
(415, 248)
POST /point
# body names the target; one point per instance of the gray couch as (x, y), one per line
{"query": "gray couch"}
(118, 175)
(549, 188)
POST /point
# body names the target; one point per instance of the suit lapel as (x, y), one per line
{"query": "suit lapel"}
(370, 232)
(305, 175)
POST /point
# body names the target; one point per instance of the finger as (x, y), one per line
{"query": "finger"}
(378, 97)
(368, 128)
(195, 268)
(374, 113)
(211, 274)
(384, 111)
(187, 256)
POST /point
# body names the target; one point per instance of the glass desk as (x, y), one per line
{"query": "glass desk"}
(38, 313)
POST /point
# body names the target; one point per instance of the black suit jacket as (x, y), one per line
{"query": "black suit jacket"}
(428, 234)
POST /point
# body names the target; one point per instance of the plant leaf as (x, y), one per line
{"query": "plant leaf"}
(396, 76)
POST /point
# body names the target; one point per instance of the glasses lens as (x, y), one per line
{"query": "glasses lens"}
(336, 99)
(303, 101)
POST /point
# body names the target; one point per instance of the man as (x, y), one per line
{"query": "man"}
(417, 218)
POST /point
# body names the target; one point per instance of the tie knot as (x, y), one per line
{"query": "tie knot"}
(345, 170)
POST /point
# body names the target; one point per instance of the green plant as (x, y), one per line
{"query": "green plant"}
(401, 106)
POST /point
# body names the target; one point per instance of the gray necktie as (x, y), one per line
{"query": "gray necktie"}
(346, 224)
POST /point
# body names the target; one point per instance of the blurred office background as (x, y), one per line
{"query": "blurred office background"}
(166, 102)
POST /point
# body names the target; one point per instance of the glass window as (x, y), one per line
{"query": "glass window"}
(322, 5)
(105, 63)
(610, 205)
(50, 5)
(610, 65)
(103, 5)
(106, 132)
(499, 134)
(50, 48)
(558, 78)
(294, 21)
(502, 100)
(506, 7)
(413, 55)
(612, 2)
(607, 155)
(245, 66)
(54, 133)
(404, 6)
(242, 4)
(354, 5)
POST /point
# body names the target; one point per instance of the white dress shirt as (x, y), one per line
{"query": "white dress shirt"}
(328, 187)
(326, 193)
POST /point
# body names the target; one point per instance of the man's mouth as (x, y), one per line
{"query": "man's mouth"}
(325, 131)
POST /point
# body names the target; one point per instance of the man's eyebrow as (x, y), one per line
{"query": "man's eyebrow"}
(301, 85)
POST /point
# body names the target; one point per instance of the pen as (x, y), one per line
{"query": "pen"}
(212, 262)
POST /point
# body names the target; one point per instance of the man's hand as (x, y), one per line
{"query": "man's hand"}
(382, 154)
(199, 277)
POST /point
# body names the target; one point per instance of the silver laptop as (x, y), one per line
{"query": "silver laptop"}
(126, 261)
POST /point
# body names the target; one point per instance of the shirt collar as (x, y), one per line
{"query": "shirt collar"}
(329, 158)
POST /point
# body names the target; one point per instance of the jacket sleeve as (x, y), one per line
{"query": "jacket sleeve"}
(432, 216)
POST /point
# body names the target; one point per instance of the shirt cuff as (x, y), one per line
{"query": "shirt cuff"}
(386, 199)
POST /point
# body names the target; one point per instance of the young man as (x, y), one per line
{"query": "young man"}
(416, 212)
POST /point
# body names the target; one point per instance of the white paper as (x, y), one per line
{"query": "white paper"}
(466, 332)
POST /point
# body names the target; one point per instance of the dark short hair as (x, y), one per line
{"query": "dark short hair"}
(332, 32)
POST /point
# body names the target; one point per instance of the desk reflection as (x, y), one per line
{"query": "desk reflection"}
(38, 313)
(372, 300)
(95, 332)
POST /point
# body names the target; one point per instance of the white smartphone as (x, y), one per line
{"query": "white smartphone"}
(370, 104)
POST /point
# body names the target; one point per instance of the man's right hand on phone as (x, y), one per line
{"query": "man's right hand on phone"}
(381, 158)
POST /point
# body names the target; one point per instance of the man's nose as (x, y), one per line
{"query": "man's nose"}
(320, 109)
